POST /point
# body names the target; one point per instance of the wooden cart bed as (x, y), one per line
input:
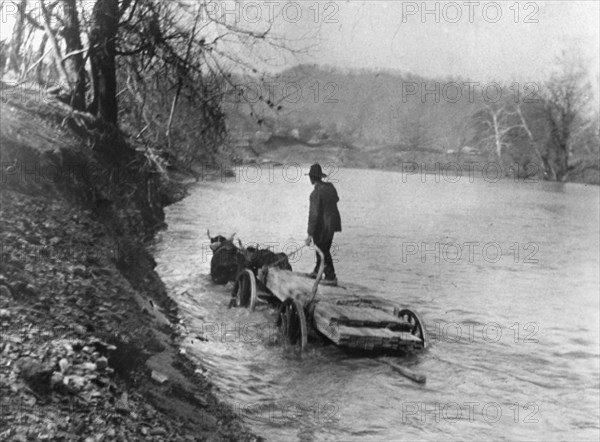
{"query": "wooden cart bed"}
(350, 316)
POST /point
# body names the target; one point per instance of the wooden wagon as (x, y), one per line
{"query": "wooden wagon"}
(342, 314)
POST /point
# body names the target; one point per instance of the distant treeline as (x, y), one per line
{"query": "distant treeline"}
(549, 124)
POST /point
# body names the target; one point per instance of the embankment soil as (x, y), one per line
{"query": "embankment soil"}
(88, 347)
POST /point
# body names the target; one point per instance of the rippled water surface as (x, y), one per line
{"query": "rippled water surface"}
(504, 274)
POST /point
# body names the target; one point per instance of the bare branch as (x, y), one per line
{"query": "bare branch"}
(58, 59)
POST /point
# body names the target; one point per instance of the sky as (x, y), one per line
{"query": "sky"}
(505, 40)
(479, 40)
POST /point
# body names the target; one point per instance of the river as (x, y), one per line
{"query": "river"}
(505, 275)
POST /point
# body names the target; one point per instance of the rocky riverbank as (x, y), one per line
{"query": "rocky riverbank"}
(88, 333)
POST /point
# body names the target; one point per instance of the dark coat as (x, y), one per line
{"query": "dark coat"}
(323, 217)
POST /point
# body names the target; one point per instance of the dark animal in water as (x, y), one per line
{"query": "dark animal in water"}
(218, 240)
(228, 260)
(257, 258)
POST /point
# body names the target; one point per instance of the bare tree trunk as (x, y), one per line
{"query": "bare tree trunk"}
(3, 58)
(40, 66)
(58, 61)
(74, 64)
(548, 169)
(497, 136)
(103, 51)
(180, 81)
(14, 58)
(566, 96)
(560, 121)
(495, 122)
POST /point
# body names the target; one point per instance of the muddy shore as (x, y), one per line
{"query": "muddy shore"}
(88, 348)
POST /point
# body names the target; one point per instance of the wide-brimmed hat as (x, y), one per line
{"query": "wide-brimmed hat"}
(316, 171)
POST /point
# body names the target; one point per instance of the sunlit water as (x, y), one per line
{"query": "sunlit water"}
(515, 330)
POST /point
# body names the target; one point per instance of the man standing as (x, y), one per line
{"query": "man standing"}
(323, 221)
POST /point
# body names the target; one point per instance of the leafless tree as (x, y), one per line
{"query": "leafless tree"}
(73, 59)
(150, 61)
(416, 133)
(16, 43)
(539, 147)
(565, 98)
(497, 121)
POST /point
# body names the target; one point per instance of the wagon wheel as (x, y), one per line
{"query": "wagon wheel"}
(417, 325)
(245, 289)
(292, 322)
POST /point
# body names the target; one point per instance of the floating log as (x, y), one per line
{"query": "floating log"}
(406, 372)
